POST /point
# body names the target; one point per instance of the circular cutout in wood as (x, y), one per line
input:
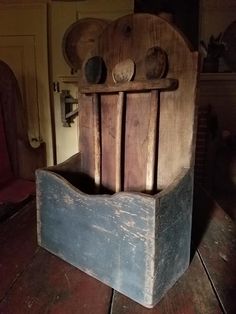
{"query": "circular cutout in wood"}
(79, 38)
(229, 39)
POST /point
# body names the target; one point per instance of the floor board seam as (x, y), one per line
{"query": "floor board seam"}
(212, 283)
(110, 311)
(19, 275)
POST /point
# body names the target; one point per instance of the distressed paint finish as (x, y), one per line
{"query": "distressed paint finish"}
(173, 234)
(136, 243)
(109, 237)
(192, 294)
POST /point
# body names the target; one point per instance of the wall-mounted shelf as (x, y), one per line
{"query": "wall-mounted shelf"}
(161, 84)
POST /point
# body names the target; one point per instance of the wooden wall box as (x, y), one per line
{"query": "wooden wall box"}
(121, 209)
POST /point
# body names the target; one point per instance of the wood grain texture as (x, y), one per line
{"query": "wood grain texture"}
(127, 38)
(173, 231)
(156, 62)
(177, 112)
(109, 141)
(97, 141)
(123, 71)
(86, 135)
(108, 237)
(50, 285)
(192, 294)
(136, 243)
(138, 115)
(47, 284)
(152, 143)
(119, 122)
(218, 252)
(131, 239)
(18, 243)
(79, 38)
(160, 84)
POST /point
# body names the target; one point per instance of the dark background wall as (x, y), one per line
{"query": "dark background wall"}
(185, 14)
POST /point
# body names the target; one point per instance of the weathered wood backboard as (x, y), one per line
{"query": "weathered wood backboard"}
(136, 240)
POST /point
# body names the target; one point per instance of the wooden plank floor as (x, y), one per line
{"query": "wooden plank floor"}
(218, 254)
(191, 294)
(35, 281)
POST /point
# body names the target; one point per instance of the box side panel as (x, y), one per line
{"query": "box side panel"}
(173, 235)
(109, 237)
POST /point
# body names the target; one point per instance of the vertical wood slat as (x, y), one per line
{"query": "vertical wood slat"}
(86, 135)
(138, 116)
(129, 36)
(108, 141)
(118, 159)
(97, 141)
(152, 142)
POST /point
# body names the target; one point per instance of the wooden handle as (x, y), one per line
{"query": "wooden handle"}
(120, 107)
(97, 142)
(152, 141)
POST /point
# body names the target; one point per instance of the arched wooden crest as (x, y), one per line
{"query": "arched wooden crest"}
(137, 137)
(131, 37)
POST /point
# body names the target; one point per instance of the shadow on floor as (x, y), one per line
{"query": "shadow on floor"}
(203, 207)
(9, 209)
